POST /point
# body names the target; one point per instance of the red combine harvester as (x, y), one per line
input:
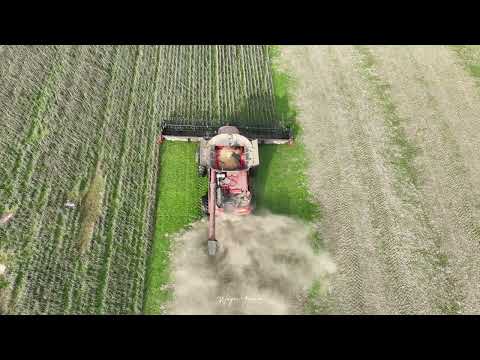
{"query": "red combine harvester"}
(228, 158)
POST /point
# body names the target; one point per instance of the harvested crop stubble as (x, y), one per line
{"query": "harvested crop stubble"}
(390, 132)
(441, 99)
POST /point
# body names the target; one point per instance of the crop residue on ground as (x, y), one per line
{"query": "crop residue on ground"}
(266, 265)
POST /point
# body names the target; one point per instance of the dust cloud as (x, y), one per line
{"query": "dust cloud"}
(265, 265)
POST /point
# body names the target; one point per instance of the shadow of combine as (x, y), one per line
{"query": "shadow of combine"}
(257, 110)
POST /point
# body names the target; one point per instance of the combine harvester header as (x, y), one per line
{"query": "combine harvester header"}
(190, 132)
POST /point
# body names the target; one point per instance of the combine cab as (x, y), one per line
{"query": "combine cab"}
(228, 158)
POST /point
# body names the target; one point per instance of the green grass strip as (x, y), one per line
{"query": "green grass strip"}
(283, 84)
(281, 181)
(178, 205)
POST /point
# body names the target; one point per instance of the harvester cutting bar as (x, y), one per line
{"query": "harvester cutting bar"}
(190, 132)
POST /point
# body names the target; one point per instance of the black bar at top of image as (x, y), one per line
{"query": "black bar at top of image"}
(315, 24)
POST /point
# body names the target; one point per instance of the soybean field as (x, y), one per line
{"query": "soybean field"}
(80, 165)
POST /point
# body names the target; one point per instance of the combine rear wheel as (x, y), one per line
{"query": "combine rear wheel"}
(204, 204)
(202, 170)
